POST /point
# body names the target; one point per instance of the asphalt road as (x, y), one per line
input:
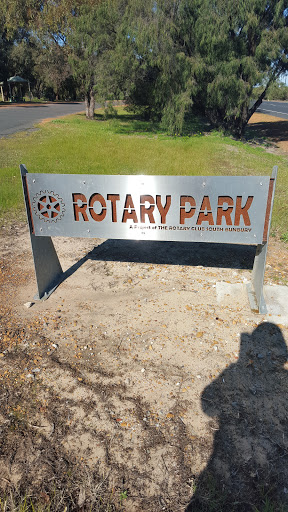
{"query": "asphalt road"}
(274, 108)
(23, 117)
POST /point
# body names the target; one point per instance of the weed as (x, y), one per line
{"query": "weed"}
(123, 496)
(270, 506)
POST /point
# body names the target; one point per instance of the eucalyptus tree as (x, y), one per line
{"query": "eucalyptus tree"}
(37, 32)
(5, 50)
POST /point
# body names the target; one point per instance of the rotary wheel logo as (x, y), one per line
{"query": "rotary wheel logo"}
(48, 206)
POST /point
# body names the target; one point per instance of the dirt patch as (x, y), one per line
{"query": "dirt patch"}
(132, 388)
(273, 130)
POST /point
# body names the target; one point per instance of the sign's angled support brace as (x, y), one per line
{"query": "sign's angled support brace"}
(48, 269)
(255, 288)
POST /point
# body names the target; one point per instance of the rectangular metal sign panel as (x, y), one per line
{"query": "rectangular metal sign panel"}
(222, 209)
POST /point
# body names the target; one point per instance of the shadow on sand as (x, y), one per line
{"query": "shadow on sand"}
(169, 253)
(175, 253)
(275, 131)
(248, 468)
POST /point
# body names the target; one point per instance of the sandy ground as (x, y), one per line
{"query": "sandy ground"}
(137, 378)
(273, 130)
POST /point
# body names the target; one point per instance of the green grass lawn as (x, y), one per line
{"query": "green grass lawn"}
(126, 145)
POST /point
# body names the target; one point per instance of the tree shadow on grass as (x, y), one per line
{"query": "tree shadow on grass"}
(133, 124)
(248, 468)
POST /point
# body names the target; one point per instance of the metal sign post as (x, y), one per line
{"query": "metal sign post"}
(48, 269)
(221, 209)
(255, 288)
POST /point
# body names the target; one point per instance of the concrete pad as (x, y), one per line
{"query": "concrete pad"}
(228, 293)
(276, 298)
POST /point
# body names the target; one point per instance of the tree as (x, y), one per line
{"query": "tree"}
(240, 44)
(5, 49)
(37, 32)
(156, 47)
(207, 54)
(277, 91)
(93, 37)
(52, 68)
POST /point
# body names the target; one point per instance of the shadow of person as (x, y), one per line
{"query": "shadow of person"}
(249, 462)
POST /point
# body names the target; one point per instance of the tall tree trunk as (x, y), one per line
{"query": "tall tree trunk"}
(89, 104)
(258, 102)
(238, 127)
(92, 106)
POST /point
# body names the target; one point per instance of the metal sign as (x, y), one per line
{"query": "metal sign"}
(176, 208)
(222, 209)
